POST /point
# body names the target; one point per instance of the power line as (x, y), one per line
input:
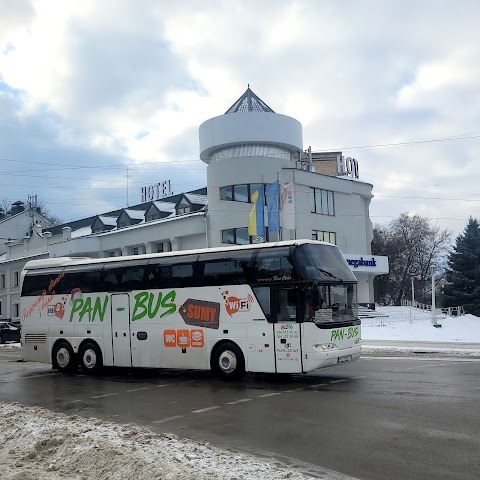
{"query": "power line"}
(464, 136)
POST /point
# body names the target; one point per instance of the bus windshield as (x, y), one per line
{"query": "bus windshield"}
(331, 303)
(322, 263)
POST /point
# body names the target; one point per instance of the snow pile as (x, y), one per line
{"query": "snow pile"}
(36, 444)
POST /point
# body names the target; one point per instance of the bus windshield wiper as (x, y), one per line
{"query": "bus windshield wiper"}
(328, 274)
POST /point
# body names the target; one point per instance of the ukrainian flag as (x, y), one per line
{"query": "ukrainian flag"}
(256, 220)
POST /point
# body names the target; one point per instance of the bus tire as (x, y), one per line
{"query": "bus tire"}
(64, 358)
(228, 361)
(91, 359)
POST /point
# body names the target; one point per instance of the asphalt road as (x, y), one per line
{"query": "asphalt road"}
(380, 418)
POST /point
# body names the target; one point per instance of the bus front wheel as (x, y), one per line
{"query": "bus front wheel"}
(91, 358)
(64, 358)
(228, 361)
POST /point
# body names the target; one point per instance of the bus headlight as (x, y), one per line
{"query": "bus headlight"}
(325, 346)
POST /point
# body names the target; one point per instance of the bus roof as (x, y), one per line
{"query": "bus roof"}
(68, 261)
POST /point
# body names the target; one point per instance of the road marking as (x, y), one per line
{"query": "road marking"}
(168, 419)
(206, 409)
(269, 394)
(105, 395)
(294, 390)
(359, 378)
(243, 400)
(42, 375)
(318, 385)
(339, 381)
(162, 385)
(74, 401)
(138, 389)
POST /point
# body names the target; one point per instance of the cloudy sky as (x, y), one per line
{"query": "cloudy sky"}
(94, 91)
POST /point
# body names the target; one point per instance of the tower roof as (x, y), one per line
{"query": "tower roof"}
(249, 102)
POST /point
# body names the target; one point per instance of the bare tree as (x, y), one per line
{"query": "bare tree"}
(6, 205)
(413, 244)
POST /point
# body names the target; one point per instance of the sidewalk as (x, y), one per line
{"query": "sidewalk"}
(407, 347)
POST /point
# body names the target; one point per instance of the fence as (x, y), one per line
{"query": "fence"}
(447, 311)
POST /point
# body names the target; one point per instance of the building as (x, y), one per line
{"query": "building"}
(248, 146)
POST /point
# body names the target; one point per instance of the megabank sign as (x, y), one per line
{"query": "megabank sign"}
(361, 262)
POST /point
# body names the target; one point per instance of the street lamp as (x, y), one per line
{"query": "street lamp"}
(434, 312)
(413, 295)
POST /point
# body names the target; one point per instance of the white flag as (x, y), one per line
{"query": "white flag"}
(288, 206)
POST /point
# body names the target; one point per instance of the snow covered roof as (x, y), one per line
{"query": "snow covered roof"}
(82, 232)
(198, 199)
(165, 206)
(135, 214)
(108, 220)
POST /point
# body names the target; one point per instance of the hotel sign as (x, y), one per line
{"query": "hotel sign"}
(156, 191)
(347, 166)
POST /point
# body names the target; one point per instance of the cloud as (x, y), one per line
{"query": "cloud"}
(117, 83)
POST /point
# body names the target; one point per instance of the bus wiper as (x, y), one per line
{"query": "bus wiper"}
(328, 274)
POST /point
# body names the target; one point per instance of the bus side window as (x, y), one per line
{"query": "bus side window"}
(263, 297)
(286, 305)
(274, 264)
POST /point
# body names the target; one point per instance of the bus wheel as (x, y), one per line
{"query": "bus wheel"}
(91, 358)
(228, 361)
(64, 359)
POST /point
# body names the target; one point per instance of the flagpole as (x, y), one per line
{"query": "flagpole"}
(294, 207)
(280, 233)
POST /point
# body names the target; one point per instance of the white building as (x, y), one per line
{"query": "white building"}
(248, 146)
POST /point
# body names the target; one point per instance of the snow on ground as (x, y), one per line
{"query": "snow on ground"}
(36, 444)
(407, 323)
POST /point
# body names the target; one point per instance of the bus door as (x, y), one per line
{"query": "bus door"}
(122, 356)
(288, 346)
(260, 343)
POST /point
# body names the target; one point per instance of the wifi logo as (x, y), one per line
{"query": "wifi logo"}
(234, 305)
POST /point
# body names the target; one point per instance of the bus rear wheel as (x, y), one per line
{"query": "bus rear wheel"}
(91, 358)
(228, 361)
(64, 359)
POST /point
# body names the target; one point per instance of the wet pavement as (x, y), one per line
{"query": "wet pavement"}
(382, 417)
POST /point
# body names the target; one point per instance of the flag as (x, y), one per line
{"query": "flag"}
(288, 206)
(256, 221)
(272, 195)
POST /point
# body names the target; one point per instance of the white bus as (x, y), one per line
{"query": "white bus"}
(285, 307)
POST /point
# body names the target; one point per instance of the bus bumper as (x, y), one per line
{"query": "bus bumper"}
(316, 360)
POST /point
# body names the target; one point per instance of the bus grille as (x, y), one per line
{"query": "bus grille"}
(35, 338)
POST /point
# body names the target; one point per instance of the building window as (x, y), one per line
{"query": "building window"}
(123, 224)
(321, 201)
(181, 210)
(152, 217)
(140, 250)
(240, 236)
(330, 237)
(2, 280)
(16, 310)
(226, 193)
(239, 193)
(16, 278)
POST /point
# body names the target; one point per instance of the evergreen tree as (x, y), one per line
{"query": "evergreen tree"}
(463, 272)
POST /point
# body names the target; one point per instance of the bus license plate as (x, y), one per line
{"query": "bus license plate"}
(346, 358)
